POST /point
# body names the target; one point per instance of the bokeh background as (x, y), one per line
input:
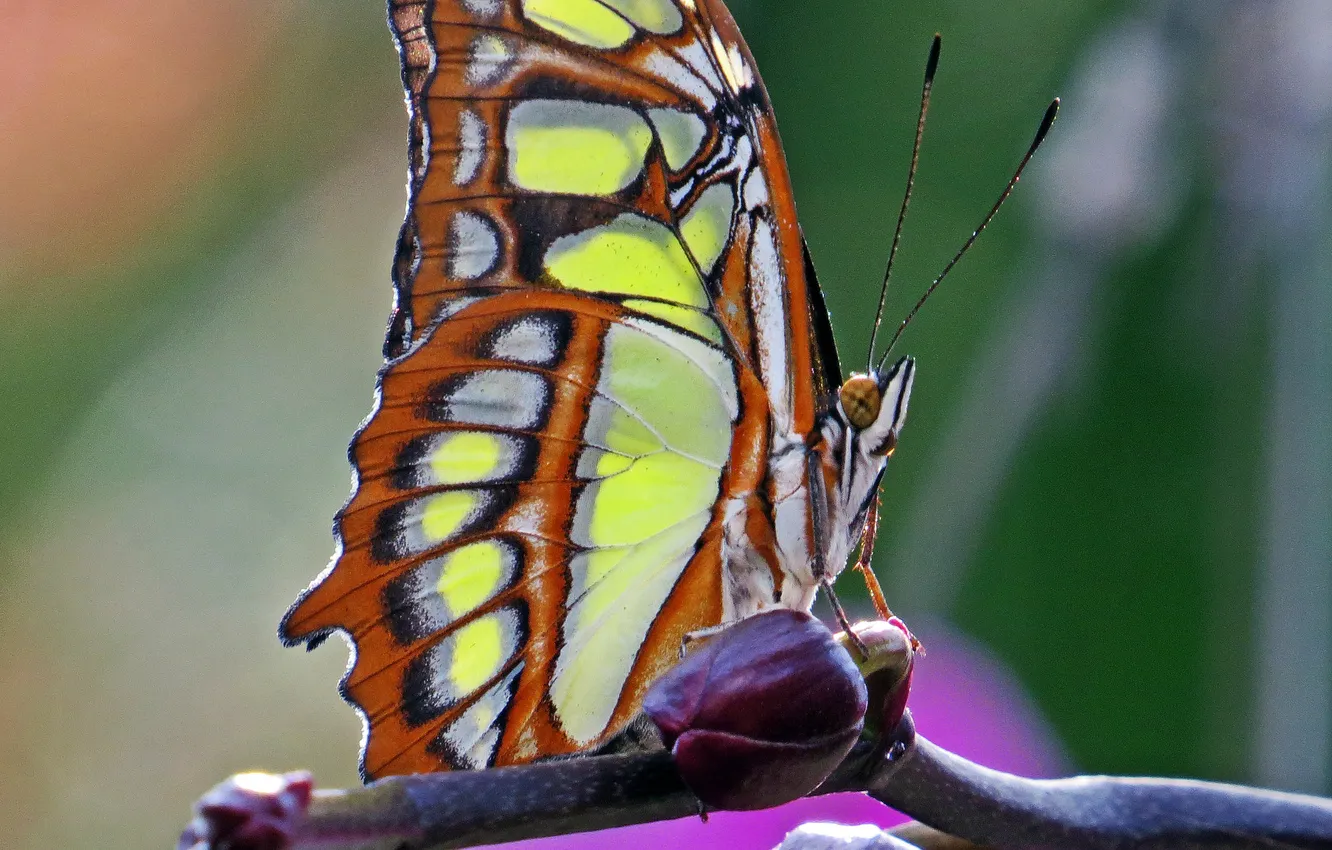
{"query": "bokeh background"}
(1115, 487)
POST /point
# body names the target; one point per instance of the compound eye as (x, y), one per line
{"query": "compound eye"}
(861, 400)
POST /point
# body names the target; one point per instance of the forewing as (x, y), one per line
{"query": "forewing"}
(601, 315)
(551, 116)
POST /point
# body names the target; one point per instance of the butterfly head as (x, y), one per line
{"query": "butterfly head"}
(857, 435)
(872, 409)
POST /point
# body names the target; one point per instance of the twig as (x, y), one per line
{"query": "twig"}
(959, 805)
(988, 807)
(465, 809)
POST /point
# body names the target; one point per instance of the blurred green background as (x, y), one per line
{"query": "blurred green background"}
(1117, 473)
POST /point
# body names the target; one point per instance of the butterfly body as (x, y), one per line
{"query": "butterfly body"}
(609, 417)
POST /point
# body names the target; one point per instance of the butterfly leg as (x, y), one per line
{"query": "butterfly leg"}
(863, 566)
(819, 501)
(843, 620)
(863, 563)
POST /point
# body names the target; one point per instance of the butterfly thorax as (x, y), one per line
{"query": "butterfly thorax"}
(797, 533)
(857, 436)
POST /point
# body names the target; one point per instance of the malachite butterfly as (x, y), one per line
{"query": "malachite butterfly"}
(612, 414)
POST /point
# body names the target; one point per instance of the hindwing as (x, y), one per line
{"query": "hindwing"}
(604, 313)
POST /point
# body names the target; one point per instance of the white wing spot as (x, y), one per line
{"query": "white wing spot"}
(473, 246)
(471, 147)
(693, 76)
(742, 76)
(530, 340)
(504, 398)
(756, 190)
(490, 60)
(482, 8)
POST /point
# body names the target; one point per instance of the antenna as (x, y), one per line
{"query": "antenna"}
(931, 65)
(1048, 120)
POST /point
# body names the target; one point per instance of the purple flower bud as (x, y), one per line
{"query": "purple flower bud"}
(886, 668)
(250, 811)
(762, 712)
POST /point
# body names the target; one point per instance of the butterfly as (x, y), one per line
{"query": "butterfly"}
(612, 414)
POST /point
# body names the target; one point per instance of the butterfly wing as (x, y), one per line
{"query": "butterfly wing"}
(603, 315)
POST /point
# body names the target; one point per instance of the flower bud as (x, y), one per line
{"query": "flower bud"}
(250, 811)
(886, 668)
(760, 713)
